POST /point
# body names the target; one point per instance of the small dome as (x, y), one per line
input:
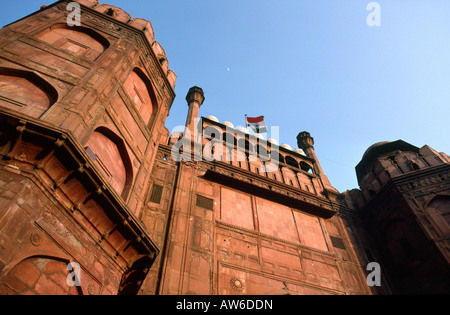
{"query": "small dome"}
(300, 151)
(286, 146)
(258, 135)
(228, 124)
(378, 149)
(242, 129)
(378, 144)
(213, 118)
(273, 141)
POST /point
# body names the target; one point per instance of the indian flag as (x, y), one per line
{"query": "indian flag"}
(257, 124)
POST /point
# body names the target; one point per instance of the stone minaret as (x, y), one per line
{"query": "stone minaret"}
(195, 99)
(306, 143)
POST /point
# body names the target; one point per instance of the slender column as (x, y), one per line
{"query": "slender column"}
(306, 142)
(193, 131)
(195, 99)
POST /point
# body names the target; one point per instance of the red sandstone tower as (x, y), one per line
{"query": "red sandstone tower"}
(404, 203)
(82, 112)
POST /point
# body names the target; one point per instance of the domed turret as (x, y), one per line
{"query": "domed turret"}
(379, 149)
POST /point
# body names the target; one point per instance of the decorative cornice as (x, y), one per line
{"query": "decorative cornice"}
(409, 182)
(421, 178)
(301, 199)
(271, 189)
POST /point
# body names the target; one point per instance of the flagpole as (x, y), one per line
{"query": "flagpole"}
(246, 126)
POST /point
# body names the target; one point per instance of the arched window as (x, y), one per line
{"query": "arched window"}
(306, 167)
(291, 161)
(26, 92)
(414, 165)
(112, 159)
(139, 89)
(81, 41)
(110, 12)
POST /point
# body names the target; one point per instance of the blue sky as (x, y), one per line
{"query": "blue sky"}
(307, 65)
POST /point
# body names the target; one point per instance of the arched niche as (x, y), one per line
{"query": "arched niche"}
(139, 88)
(400, 241)
(257, 166)
(289, 177)
(439, 210)
(81, 41)
(114, 12)
(39, 275)
(272, 170)
(26, 92)
(112, 159)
